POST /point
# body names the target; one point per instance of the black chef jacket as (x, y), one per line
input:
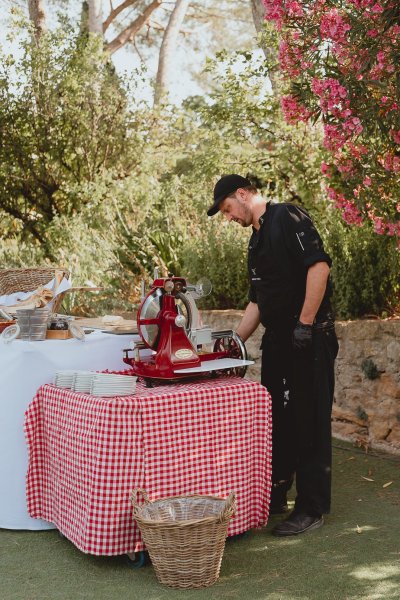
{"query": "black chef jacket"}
(279, 256)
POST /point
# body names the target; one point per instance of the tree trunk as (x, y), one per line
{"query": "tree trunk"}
(95, 16)
(38, 17)
(167, 49)
(258, 10)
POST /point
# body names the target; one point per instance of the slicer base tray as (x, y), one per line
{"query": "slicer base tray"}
(216, 365)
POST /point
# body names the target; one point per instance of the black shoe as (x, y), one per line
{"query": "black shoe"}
(298, 523)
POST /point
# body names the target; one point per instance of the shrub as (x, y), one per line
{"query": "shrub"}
(219, 254)
(366, 269)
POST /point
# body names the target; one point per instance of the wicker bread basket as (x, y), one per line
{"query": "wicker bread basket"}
(185, 536)
(28, 280)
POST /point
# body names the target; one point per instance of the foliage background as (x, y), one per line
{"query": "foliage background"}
(94, 179)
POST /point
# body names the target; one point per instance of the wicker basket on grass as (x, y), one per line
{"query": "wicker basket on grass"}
(185, 536)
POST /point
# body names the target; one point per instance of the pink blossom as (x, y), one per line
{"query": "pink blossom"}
(349, 210)
(334, 26)
(323, 56)
(379, 226)
(345, 166)
(357, 150)
(331, 193)
(393, 229)
(390, 163)
(289, 58)
(333, 96)
(352, 126)
(324, 168)
(294, 111)
(294, 9)
(395, 135)
(274, 11)
(361, 3)
(334, 138)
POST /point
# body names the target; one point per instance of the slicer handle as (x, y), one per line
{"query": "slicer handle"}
(180, 321)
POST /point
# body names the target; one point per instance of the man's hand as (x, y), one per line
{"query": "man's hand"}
(302, 337)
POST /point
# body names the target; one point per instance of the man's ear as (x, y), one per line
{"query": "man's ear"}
(243, 194)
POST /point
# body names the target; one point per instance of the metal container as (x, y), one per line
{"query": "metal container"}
(32, 323)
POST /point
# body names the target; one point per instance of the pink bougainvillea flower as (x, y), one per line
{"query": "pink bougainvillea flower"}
(289, 58)
(294, 9)
(324, 168)
(294, 111)
(334, 26)
(379, 226)
(395, 135)
(274, 11)
(349, 210)
(334, 138)
(342, 61)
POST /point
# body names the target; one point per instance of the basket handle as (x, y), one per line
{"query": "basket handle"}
(229, 508)
(134, 495)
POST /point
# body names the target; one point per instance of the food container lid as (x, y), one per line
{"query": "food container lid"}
(10, 333)
(77, 331)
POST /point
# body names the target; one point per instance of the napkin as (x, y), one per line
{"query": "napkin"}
(37, 298)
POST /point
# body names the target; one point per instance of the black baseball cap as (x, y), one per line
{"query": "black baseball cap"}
(228, 184)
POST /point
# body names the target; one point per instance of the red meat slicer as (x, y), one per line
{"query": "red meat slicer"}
(174, 345)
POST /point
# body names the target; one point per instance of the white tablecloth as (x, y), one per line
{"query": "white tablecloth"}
(24, 367)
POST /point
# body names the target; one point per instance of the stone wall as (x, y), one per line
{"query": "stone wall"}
(367, 395)
(367, 407)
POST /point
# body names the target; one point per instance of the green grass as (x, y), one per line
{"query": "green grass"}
(355, 555)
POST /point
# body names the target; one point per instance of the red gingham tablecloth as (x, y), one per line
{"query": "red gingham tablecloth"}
(86, 454)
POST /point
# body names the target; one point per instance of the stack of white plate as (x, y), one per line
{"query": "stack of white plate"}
(64, 379)
(107, 385)
(83, 381)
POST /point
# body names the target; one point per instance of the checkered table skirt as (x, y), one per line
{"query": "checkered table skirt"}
(87, 453)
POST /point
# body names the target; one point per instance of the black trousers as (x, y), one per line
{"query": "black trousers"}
(301, 386)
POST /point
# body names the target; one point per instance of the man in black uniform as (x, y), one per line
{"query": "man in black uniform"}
(289, 294)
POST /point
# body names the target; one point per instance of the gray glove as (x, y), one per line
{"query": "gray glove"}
(302, 337)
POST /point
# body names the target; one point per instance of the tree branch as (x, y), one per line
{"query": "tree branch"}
(129, 33)
(115, 12)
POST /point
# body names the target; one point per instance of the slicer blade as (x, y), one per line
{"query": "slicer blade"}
(216, 365)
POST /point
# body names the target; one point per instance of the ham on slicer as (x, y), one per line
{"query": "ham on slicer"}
(174, 344)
